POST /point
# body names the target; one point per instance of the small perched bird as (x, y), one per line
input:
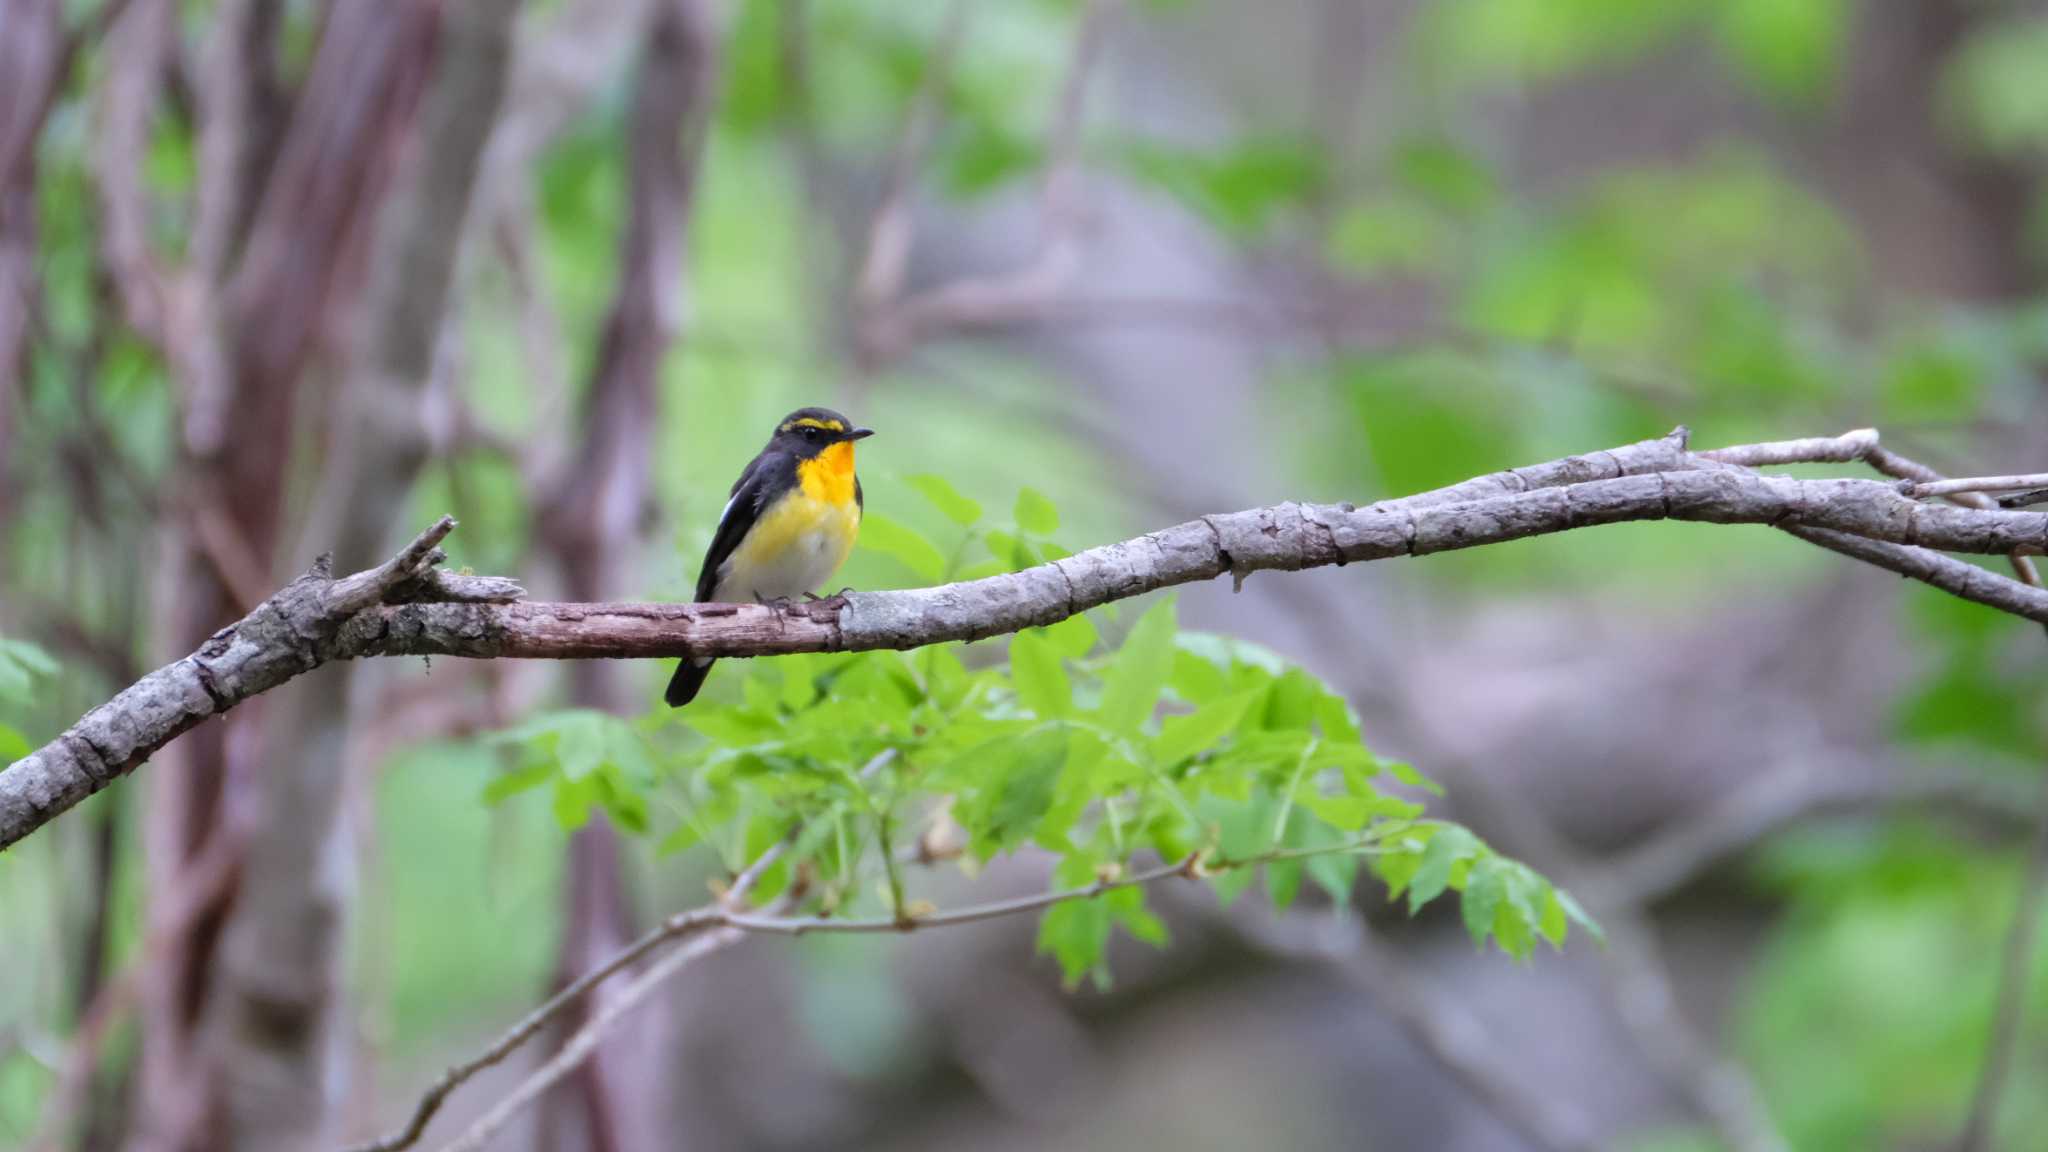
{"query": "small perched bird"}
(792, 519)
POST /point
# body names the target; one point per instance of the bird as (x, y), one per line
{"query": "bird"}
(792, 519)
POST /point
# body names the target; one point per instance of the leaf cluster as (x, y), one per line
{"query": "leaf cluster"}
(1102, 742)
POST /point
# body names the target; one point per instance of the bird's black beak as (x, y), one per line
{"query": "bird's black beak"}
(860, 433)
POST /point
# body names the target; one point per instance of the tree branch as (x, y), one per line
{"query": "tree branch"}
(403, 608)
(718, 925)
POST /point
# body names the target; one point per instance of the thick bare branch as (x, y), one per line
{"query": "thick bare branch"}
(307, 624)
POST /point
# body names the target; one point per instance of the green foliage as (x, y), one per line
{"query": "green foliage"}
(21, 665)
(1787, 50)
(1241, 190)
(1847, 1059)
(1995, 87)
(1166, 745)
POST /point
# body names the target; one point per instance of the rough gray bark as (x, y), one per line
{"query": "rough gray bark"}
(315, 620)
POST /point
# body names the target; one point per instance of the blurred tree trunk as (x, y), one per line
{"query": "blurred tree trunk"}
(31, 64)
(283, 1035)
(592, 523)
(218, 1022)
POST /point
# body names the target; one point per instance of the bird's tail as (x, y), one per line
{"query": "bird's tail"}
(682, 687)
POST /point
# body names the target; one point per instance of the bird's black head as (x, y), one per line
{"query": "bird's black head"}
(809, 431)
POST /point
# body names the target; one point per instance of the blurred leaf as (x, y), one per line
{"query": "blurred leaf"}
(981, 161)
(1131, 688)
(1389, 234)
(1183, 736)
(946, 498)
(1930, 380)
(1073, 637)
(1485, 890)
(1283, 882)
(505, 785)
(1075, 933)
(1450, 178)
(1490, 40)
(1042, 683)
(1036, 514)
(904, 544)
(1449, 847)
(1995, 85)
(1239, 189)
(21, 663)
(580, 744)
(1789, 49)
(1405, 772)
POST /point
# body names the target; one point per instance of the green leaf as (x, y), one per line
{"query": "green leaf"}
(1036, 514)
(1019, 778)
(1389, 234)
(1485, 889)
(1196, 680)
(1335, 874)
(1406, 774)
(501, 788)
(1241, 189)
(1127, 908)
(1996, 84)
(572, 801)
(13, 745)
(946, 498)
(1553, 923)
(1447, 848)
(1579, 915)
(1283, 881)
(29, 656)
(904, 545)
(1132, 685)
(580, 744)
(1073, 637)
(1449, 177)
(1011, 550)
(1075, 933)
(1183, 736)
(1787, 48)
(1040, 677)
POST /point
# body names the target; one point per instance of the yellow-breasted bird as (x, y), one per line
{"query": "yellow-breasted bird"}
(792, 519)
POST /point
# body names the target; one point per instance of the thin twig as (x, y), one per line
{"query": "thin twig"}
(889, 236)
(1847, 448)
(2009, 1010)
(718, 925)
(675, 927)
(1922, 491)
(973, 302)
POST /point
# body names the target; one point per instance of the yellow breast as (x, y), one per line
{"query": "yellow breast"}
(799, 541)
(828, 476)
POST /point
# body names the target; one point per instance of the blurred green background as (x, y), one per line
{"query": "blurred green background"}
(1300, 250)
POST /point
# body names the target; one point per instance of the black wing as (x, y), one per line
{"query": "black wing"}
(748, 495)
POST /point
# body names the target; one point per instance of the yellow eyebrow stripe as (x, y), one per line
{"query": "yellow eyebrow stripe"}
(814, 422)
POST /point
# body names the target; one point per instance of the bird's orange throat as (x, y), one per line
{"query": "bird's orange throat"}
(828, 476)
